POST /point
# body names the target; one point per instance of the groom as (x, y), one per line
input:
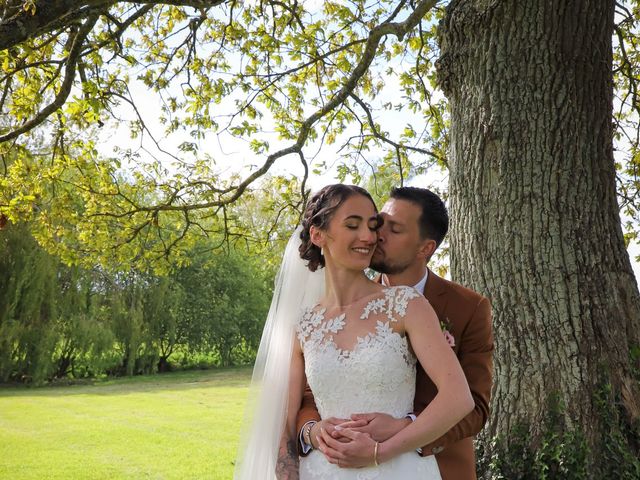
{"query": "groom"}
(415, 222)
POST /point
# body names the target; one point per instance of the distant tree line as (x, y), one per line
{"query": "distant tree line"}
(60, 321)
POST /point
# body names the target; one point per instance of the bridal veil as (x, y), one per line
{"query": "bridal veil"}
(296, 287)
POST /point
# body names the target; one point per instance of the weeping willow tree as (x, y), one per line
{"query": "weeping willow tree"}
(522, 103)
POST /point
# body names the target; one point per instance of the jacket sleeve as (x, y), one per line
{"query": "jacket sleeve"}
(307, 412)
(475, 353)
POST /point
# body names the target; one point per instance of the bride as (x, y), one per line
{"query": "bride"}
(356, 343)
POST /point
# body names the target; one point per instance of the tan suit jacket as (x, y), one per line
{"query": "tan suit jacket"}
(467, 316)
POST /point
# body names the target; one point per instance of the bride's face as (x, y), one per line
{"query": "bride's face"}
(350, 238)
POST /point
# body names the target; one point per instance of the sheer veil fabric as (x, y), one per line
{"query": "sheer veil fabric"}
(296, 287)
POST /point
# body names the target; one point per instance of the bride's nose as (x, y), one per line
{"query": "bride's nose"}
(369, 236)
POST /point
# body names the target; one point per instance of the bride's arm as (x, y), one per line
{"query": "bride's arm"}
(287, 464)
(453, 400)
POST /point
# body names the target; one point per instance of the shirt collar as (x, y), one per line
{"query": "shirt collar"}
(418, 286)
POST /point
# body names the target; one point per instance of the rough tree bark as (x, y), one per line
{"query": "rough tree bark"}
(535, 223)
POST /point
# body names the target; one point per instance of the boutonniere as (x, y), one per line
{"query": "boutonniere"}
(445, 326)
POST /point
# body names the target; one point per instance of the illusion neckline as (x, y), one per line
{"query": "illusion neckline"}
(380, 292)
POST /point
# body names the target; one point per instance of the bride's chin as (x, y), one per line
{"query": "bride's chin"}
(356, 266)
(363, 265)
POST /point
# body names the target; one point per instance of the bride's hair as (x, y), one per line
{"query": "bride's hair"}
(319, 212)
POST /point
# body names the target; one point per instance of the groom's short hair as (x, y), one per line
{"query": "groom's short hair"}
(434, 219)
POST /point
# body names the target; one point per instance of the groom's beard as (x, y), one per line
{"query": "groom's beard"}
(385, 265)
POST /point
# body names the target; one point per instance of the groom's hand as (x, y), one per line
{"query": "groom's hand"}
(379, 426)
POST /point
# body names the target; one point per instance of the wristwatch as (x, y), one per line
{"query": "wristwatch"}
(306, 433)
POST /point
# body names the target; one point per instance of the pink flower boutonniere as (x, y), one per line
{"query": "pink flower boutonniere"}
(444, 325)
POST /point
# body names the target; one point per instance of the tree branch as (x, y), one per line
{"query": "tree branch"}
(48, 16)
(21, 25)
(379, 136)
(67, 83)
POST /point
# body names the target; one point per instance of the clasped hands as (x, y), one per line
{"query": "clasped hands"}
(351, 443)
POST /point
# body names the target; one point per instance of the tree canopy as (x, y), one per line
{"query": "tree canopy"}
(306, 73)
(284, 79)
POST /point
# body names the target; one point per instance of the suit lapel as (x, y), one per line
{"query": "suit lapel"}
(435, 291)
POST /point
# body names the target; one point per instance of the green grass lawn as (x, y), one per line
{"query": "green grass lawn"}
(173, 426)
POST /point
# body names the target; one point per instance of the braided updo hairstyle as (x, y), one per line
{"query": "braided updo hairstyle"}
(319, 212)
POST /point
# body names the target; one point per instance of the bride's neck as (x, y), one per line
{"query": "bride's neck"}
(344, 287)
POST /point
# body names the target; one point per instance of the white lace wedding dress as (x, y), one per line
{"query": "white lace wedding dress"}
(356, 362)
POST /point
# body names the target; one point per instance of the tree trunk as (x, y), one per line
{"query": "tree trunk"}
(163, 364)
(535, 223)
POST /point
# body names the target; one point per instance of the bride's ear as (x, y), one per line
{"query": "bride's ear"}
(317, 236)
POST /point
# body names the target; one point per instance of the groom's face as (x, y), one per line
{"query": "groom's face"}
(399, 240)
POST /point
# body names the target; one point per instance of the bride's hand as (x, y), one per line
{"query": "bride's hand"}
(357, 452)
(329, 425)
(380, 426)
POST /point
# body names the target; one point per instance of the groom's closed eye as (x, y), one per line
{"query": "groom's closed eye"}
(395, 227)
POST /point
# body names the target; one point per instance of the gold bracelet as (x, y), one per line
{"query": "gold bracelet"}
(375, 454)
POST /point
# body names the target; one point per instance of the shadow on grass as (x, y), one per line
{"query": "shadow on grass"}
(193, 379)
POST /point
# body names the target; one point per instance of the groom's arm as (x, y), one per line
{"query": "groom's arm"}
(308, 412)
(476, 358)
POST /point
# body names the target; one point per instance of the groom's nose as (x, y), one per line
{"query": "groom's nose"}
(381, 234)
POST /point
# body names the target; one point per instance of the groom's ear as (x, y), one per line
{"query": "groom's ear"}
(427, 248)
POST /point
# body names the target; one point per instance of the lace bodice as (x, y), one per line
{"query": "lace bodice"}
(359, 359)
